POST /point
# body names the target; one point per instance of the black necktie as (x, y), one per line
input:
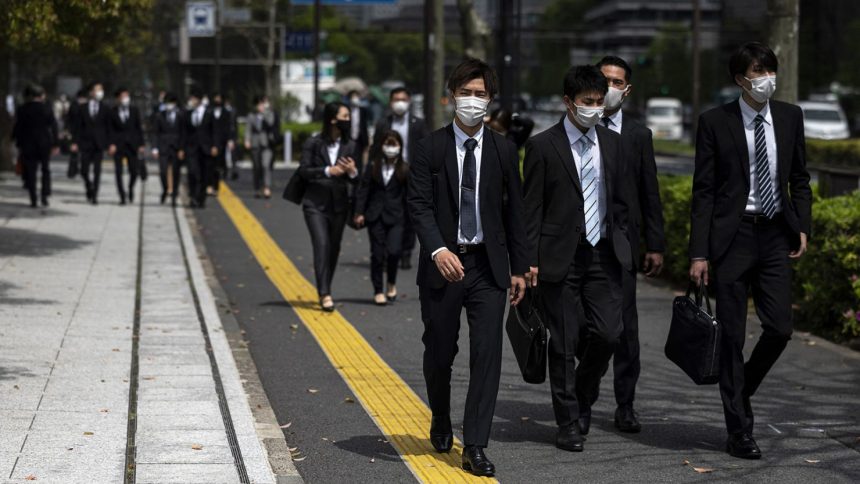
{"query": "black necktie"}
(468, 200)
(762, 170)
(606, 122)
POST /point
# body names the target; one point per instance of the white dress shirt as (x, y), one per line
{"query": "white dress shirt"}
(123, 114)
(387, 172)
(355, 117)
(615, 121)
(748, 114)
(197, 115)
(94, 108)
(573, 136)
(460, 142)
(332, 150)
(401, 125)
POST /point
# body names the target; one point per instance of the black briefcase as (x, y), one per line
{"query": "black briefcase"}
(73, 165)
(527, 334)
(694, 337)
(295, 189)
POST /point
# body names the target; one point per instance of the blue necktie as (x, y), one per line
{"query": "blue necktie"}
(588, 179)
(468, 200)
(762, 171)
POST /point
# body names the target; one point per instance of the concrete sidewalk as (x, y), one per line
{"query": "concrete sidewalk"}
(114, 364)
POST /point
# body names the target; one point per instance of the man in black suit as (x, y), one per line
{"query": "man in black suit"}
(359, 117)
(35, 134)
(576, 218)
(199, 148)
(466, 204)
(168, 146)
(223, 139)
(411, 129)
(126, 142)
(91, 139)
(751, 215)
(646, 212)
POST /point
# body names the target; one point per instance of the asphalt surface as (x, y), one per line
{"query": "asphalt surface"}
(806, 411)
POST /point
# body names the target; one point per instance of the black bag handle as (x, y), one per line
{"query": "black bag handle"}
(701, 292)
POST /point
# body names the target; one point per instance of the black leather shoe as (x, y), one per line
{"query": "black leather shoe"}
(584, 423)
(441, 435)
(476, 462)
(163, 197)
(569, 438)
(743, 446)
(626, 421)
(130, 196)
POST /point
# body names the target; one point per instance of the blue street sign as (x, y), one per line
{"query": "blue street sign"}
(299, 41)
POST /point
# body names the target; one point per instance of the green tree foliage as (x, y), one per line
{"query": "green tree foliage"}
(561, 27)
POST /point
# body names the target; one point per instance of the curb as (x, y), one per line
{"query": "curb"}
(268, 430)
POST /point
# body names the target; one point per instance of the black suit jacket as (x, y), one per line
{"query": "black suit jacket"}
(376, 200)
(35, 130)
(433, 201)
(363, 139)
(167, 137)
(417, 131)
(646, 211)
(92, 133)
(198, 138)
(223, 128)
(322, 192)
(554, 202)
(126, 135)
(721, 182)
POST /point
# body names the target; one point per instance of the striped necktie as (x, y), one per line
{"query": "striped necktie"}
(588, 179)
(762, 171)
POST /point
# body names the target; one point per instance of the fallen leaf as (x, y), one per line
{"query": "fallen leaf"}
(703, 470)
(196, 446)
(372, 460)
(148, 378)
(294, 327)
(16, 387)
(88, 433)
(299, 459)
(313, 390)
(292, 449)
(115, 349)
(29, 477)
(104, 410)
(525, 419)
(70, 448)
(325, 438)
(286, 425)
(348, 400)
(812, 461)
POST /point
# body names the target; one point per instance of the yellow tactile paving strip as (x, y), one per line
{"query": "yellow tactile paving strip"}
(398, 412)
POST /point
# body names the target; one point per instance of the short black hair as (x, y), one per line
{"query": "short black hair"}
(473, 69)
(195, 92)
(93, 84)
(584, 78)
(170, 97)
(33, 91)
(749, 53)
(398, 90)
(612, 60)
(120, 90)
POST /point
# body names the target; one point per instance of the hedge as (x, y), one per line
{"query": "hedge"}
(833, 153)
(826, 282)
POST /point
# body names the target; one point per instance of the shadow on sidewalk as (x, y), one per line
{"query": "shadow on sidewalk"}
(28, 243)
(18, 301)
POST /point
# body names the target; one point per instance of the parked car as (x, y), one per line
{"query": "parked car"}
(665, 118)
(824, 120)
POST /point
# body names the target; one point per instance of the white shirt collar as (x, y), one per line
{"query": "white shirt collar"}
(616, 118)
(748, 113)
(460, 137)
(573, 133)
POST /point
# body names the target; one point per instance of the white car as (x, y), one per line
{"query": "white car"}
(824, 120)
(664, 117)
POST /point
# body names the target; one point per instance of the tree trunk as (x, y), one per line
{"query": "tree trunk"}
(784, 17)
(270, 50)
(434, 54)
(476, 33)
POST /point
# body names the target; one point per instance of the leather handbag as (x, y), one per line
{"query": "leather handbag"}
(694, 337)
(528, 337)
(295, 189)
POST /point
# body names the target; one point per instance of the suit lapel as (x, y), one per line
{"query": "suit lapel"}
(736, 127)
(561, 143)
(451, 167)
(609, 160)
(489, 155)
(782, 135)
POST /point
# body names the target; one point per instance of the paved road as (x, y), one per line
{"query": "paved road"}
(807, 419)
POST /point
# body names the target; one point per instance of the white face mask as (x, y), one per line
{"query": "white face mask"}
(99, 95)
(400, 107)
(614, 97)
(204, 101)
(170, 106)
(587, 116)
(355, 100)
(126, 102)
(390, 151)
(471, 109)
(762, 88)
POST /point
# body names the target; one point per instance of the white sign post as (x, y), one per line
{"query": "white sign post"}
(201, 19)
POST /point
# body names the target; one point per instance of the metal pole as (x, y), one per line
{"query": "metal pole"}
(505, 59)
(429, 105)
(317, 16)
(697, 25)
(218, 6)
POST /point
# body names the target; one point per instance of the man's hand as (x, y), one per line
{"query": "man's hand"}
(214, 151)
(335, 170)
(55, 151)
(112, 150)
(231, 145)
(518, 289)
(653, 263)
(359, 221)
(800, 250)
(180, 154)
(247, 145)
(73, 148)
(699, 272)
(155, 152)
(449, 266)
(348, 165)
(532, 276)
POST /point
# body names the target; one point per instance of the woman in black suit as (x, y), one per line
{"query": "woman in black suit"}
(381, 204)
(329, 168)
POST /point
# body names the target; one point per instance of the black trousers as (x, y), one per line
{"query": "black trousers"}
(133, 170)
(168, 162)
(91, 158)
(33, 165)
(217, 168)
(326, 229)
(625, 362)
(484, 302)
(385, 242)
(409, 236)
(758, 260)
(198, 163)
(586, 304)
